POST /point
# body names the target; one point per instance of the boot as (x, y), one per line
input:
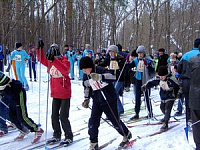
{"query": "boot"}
(22, 134)
(94, 146)
(125, 140)
(164, 126)
(136, 116)
(66, 141)
(1, 133)
(53, 140)
(38, 135)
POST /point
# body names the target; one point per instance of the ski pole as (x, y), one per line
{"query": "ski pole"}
(104, 119)
(4, 104)
(120, 73)
(39, 86)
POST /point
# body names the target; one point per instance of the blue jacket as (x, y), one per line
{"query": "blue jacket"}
(20, 57)
(183, 63)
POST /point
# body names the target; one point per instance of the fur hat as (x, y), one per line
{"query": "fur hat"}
(141, 49)
(17, 45)
(86, 62)
(197, 42)
(162, 71)
(87, 46)
(113, 48)
(3, 79)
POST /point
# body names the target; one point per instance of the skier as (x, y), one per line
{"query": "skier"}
(16, 94)
(20, 56)
(58, 67)
(1, 59)
(98, 85)
(144, 71)
(32, 63)
(169, 88)
(70, 54)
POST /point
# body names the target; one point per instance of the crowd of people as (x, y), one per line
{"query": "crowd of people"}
(106, 74)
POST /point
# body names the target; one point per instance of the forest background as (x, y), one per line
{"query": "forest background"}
(170, 24)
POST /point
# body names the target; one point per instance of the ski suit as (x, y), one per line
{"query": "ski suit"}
(71, 58)
(20, 56)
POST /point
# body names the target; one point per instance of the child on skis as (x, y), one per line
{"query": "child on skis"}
(13, 91)
(20, 56)
(98, 85)
(58, 67)
(169, 88)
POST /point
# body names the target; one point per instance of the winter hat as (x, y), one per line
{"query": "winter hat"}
(86, 62)
(141, 49)
(3, 79)
(162, 71)
(113, 48)
(196, 43)
(161, 50)
(87, 46)
(17, 45)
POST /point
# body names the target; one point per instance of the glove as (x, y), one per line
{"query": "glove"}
(143, 88)
(96, 76)
(50, 55)
(86, 102)
(40, 43)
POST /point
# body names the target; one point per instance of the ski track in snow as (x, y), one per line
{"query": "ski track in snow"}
(173, 139)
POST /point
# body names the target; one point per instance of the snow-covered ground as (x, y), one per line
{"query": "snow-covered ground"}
(173, 139)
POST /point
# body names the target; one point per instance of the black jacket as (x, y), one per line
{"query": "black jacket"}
(162, 61)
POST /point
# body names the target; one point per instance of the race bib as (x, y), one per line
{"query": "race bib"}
(55, 73)
(96, 85)
(18, 58)
(113, 65)
(140, 66)
(164, 85)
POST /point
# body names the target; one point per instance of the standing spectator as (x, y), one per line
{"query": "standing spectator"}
(97, 83)
(20, 56)
(1, 59)
(145, 71)
(194, 95)
(14, 91)
(58, 68)
(88, 51)
(162, 58)
(185, 75)
(78, 56)
(116, 63)
(32, 63)
(66, 48)
(71, 58)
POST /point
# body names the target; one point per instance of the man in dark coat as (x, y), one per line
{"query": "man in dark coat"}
(162, 59)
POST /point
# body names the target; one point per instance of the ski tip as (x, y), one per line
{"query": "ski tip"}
(46, 148)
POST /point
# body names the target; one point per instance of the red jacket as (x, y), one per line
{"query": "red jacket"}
(59, 71)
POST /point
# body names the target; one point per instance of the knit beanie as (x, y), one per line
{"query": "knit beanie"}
(196, 43)
(17, 45)
(3, 79)
(86, 62)
(141, 49)
(113, 48)
(87, 46)
(161, 50)
(162, 71)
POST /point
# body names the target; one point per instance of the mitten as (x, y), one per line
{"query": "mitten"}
(96, 76)
(40, 43)
(86, 102)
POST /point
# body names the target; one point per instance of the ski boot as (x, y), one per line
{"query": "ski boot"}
(94, 146)
(125, 141)
(38, 135)
(164, 127)
(1, 133)
(136, 116)
(66, 142)
(53, 140)
(21, 135)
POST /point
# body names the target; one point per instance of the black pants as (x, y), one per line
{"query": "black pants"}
(138, 98)
(60, 113)
(196, 127)
(166, 109)
(112, 114)
(18, 113)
